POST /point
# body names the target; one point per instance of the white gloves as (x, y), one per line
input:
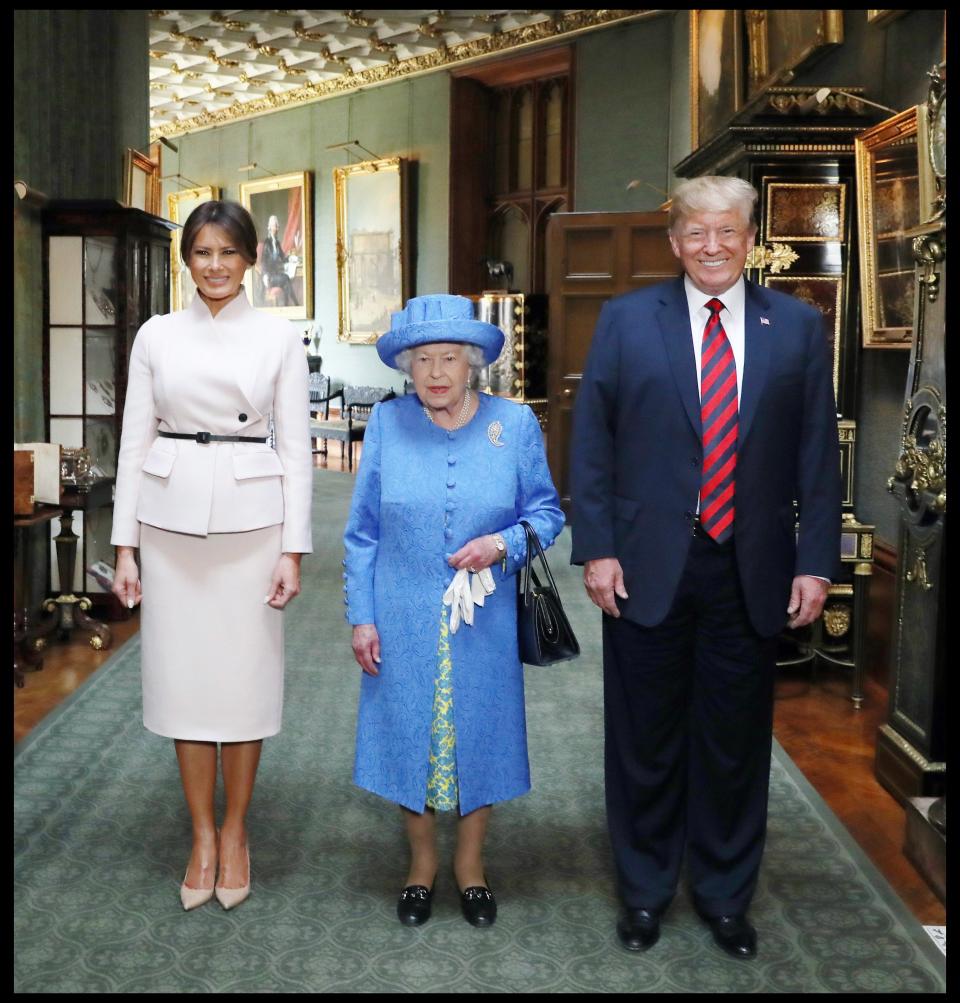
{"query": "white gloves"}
(465, 591)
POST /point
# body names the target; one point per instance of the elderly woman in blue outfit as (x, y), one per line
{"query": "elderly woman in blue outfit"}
(432, 544)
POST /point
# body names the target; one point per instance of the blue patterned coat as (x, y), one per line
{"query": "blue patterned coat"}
(421, 494)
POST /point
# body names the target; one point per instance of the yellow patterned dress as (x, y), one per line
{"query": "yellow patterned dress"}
(442, 790)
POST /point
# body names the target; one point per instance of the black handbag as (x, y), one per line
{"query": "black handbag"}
(544, 633)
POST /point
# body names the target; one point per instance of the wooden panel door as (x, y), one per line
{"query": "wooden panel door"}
(591, 256)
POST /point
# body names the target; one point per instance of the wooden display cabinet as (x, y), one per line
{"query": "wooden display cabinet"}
(106, 270)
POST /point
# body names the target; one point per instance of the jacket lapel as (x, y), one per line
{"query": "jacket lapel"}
(674, 320)
(759, 331)
(242, 343)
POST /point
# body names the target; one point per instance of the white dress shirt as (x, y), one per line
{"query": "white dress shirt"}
(731, 316)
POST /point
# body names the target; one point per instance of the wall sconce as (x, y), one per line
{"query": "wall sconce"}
(254, 166)
(819, 96)
(352, 142)
(177, 177)
(30, 196)
(637, 182)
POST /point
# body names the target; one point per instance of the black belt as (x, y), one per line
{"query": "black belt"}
(205, 437)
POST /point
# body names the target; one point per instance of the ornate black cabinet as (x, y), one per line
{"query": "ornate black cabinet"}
(106, 270)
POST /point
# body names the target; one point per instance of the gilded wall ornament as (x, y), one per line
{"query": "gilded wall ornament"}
(775, 258)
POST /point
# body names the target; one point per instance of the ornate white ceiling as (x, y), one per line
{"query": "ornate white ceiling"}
(211, 67)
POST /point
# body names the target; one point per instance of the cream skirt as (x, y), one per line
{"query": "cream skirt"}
(212, 650)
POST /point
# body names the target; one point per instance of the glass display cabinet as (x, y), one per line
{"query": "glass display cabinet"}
(520, 371)
(106, 270)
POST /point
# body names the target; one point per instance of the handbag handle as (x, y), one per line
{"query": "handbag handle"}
(533, 543)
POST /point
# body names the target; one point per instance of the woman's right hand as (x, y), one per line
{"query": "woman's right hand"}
(126, 579)
(366, 647)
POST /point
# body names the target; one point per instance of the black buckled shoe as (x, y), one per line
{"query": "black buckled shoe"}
(479, 906)
(413, 906)
(638, 929)
(734, 935)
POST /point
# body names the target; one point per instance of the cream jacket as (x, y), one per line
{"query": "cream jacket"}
(192, 372)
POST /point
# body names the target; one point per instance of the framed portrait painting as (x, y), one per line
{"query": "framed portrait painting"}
(372, 267)
(281, 282)
(179, 206)
(716, 77)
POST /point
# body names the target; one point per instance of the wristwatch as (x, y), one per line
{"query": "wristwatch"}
(501, 546)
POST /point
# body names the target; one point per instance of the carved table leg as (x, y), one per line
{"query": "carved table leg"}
(101, 637)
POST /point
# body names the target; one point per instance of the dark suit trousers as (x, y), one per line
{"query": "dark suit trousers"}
(688, 708)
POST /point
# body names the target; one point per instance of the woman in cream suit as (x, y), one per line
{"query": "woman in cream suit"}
(221, 521)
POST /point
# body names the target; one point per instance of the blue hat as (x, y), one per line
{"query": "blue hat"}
(438, 317)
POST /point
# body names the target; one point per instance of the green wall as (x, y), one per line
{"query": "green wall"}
(624, 114)
(81, 98)
(408, 119)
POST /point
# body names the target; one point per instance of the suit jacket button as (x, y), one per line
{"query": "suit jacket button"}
(242, 416)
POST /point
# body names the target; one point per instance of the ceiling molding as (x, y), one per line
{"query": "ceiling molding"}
(211, 68)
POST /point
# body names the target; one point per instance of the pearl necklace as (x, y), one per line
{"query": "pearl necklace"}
(461, 419)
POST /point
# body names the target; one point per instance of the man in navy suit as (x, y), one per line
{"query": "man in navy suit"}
(706, 498)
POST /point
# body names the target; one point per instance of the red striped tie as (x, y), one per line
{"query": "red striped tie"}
(718, 419)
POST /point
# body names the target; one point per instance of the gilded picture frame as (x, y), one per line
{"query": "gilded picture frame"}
(779, 41)
(373, 271)
(281, 281)
(716, 72)
(141, 179)
(805, 212)
(179, 206)
(890, 188)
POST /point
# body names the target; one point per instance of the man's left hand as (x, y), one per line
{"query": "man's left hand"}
(807, 596)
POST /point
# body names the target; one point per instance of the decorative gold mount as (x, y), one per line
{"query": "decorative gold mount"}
(775, 258)
(798, 101)
(929, 252)
(923, 469)
(836, 619)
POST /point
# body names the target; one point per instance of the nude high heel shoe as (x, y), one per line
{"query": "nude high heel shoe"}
(190, 898)
(230, 897)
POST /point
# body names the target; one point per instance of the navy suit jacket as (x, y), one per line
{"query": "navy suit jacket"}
(637, 451)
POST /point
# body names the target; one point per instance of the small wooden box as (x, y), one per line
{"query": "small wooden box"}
(23, 482)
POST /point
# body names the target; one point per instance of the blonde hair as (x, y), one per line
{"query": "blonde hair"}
(712, 193)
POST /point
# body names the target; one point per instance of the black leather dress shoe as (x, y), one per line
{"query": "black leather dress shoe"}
(413, 906)
(479, 906)
(734, 935)
(638, 929)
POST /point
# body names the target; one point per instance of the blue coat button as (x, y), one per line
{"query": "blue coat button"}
(451, 460)
(451, 484)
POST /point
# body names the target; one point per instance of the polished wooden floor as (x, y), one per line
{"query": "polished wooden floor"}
(815, 721)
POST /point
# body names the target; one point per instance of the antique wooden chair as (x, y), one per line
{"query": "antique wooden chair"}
(356, 403)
